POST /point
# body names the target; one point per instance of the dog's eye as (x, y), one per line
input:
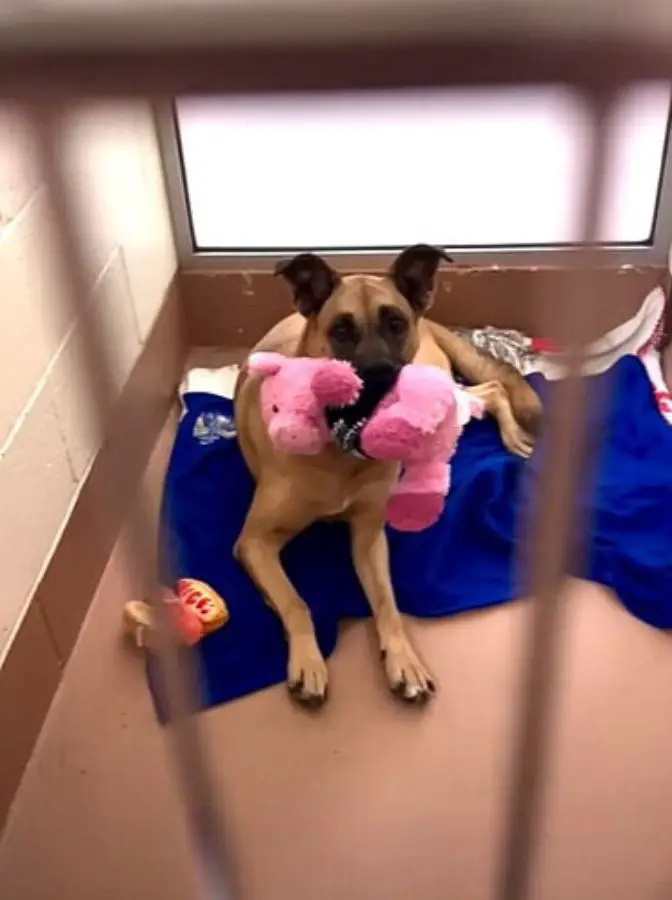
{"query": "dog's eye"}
(341, 333)
(398, 325)
(343, 330)
(391, 322)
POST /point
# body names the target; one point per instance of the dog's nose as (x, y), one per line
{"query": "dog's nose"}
(378, 377)
(379, 368)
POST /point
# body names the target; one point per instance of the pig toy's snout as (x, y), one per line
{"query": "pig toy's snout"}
(290, 435)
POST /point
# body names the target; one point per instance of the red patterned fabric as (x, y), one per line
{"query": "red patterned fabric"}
(656, 339)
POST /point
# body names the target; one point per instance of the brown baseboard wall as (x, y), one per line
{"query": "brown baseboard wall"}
(227, 308)
(32, 669)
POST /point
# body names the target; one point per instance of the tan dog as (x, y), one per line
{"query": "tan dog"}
(371, 321)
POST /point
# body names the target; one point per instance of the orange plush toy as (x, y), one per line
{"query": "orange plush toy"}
(194, 610)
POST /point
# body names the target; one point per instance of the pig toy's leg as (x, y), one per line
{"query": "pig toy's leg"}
(417, 500)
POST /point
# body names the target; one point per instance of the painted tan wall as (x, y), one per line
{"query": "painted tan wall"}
(47, 440)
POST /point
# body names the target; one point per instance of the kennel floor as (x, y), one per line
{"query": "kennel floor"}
(367, 798)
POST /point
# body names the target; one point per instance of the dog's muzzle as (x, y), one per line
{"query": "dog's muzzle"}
(346, 422)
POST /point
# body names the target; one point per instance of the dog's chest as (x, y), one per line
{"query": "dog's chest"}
(337, 497)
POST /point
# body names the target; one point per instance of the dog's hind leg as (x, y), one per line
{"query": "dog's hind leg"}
(497, 403)
(479, 368)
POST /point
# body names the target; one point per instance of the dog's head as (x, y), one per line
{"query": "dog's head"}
(369, 320)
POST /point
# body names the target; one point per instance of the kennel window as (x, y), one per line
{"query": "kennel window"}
(496, 171)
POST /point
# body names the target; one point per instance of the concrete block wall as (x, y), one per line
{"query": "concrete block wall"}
(47, 440)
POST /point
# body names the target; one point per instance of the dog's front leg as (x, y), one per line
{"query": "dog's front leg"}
(407, 675)
(258, 549)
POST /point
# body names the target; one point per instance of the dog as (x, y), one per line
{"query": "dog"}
(377, 323)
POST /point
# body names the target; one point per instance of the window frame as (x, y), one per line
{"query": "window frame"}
(654, 252)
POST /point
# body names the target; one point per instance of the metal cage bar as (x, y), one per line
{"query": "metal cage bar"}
(250, 47)
(125, 48)
(178, 677)
(553, 543)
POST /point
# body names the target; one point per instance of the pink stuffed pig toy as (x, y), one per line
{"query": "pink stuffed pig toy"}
(294, 394)
(418, 424)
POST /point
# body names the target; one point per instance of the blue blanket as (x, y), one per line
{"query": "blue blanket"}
(466, 561)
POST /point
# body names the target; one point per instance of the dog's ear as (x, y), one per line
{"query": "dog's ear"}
(413, 273)
(311, 279)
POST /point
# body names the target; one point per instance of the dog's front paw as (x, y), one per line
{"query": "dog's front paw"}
(408, 677)
(307, 676)
(516, 440)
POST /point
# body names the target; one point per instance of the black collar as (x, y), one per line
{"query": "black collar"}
(346, 422)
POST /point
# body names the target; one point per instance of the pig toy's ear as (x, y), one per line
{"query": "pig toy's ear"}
(262, 363)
